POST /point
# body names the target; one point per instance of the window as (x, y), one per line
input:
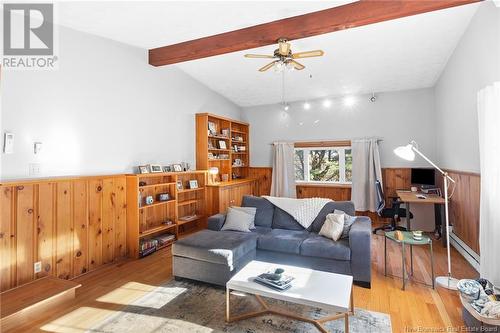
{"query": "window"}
(323, 165)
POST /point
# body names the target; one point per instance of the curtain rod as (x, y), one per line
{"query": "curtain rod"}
(318, 141)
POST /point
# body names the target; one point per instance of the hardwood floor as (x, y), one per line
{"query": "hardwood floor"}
(109, 289)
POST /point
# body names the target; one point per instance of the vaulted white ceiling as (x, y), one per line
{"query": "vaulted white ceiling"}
(401, 54)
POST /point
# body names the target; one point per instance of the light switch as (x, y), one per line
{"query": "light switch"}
(37, 147)
(8, 143)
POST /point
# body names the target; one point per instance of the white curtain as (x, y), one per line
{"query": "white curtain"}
(488, 106)
(366, 171)
(283, 180)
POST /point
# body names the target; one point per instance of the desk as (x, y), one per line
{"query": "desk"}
(409, 197)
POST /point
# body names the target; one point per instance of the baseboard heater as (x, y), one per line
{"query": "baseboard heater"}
(469, 254)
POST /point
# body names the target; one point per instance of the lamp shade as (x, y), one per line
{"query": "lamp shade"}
(213, 170)
(405, 152)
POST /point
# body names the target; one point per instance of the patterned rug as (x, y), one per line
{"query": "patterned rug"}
(182, 306)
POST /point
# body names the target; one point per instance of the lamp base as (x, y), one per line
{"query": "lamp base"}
(447, 282)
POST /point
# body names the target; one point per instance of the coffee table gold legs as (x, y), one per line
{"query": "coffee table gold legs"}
(267, 310)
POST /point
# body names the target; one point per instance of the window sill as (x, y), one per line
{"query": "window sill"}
(312, 184)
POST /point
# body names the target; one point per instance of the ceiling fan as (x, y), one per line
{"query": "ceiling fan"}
(285, 59)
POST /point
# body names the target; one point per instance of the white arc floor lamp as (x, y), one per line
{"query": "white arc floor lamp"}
(408, 153)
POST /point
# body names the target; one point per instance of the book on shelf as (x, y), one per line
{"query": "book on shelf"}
(165, 239)
(284, 283)
(148, 246)
(188, 218)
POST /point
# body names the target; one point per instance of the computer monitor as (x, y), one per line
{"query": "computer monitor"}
(423, 176)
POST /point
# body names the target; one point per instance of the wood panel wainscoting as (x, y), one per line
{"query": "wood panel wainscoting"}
(263, 175)
(71, 225)
(464, 206)
(334, 192)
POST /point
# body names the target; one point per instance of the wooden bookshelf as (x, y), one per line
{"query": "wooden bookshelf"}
(234, 134)
(148, 221)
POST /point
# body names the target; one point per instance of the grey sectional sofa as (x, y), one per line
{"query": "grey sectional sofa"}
(214, 256)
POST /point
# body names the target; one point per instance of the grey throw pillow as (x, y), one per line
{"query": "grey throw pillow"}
(238, 220)
(249, 210)
(348, 221)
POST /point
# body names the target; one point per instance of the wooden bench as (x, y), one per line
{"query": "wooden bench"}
(27, 301)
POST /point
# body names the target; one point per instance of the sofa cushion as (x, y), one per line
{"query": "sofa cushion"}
(219, 247)
(345, 206)
(281, 240)
(283, 220)
(265, 210)
(321, 247)
(261, 230)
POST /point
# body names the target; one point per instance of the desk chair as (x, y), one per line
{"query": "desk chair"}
(395, 213)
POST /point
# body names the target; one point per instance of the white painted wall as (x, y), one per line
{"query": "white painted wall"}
(396, 117)
(474, 64)
(104, 111)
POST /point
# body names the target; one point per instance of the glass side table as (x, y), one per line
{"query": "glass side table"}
(408, 240)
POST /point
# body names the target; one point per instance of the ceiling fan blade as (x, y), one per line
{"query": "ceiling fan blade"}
(284, 48)
(297, 65)
(308, 54)
(258, 56)
(266, 67)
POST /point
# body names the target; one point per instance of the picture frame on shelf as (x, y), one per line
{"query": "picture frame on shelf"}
(237, 162)
(179, 185)
(193, 184)
(155, 168)
(177, 167)
(222, 144)
(167, 168)
(225, 132)
(225, 177)
(143, 169)
(212, 128)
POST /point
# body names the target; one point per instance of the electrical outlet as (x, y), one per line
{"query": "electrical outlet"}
(38, 267)
(34, 169)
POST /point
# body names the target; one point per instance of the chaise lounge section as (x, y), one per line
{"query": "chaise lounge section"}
(214, 256)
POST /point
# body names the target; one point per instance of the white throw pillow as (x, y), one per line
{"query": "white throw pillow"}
(238, 220)
(333, 226)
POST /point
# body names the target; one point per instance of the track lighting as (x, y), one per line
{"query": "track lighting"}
(373, 98)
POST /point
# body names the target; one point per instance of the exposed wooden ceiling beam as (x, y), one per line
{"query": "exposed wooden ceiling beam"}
(348, 16)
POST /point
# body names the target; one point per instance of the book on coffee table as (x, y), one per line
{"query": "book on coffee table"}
(283, 283)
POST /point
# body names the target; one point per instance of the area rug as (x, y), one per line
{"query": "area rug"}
(184, 306)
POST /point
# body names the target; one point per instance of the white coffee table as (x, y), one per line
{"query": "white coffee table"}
(329, 291)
